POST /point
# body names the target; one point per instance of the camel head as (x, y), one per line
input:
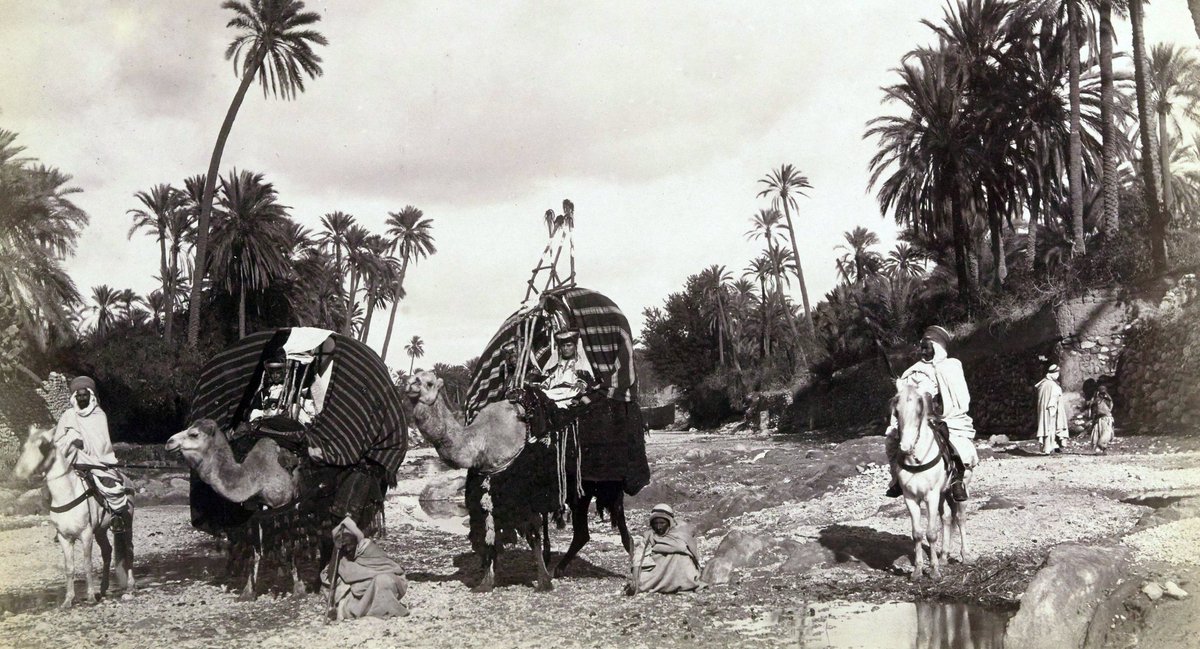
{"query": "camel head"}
(195, 443)
(423, 387)
(36, 453)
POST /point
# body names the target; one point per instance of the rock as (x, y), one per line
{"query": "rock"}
(33, 501)
(1153, 591)
(805, 557)
(996, 440)
(1058, 606)
(180, 483)
(1173, 590)
(444, 497)
(735, 551)
(903, 564)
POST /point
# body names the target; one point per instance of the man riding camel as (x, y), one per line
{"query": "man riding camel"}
(941, 377)
(82, 435)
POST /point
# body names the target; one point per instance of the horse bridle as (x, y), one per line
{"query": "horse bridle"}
(918, 468)
(48, 447)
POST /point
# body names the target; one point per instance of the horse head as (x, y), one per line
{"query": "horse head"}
(424, 386)
(37, 453)
(910, 407)
(194, 444)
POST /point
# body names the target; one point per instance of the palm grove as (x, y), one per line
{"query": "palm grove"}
(231, 258)
(1023, 158)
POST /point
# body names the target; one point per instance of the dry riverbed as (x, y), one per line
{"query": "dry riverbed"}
(831, 573)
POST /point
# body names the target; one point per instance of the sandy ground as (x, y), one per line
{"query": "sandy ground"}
(811, 490)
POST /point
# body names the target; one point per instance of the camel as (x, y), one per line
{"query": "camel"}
(76, 516)
(267, 475)
(924, 478)
(489, 444)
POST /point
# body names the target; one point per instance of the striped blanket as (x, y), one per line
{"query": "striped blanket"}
(604, 335)
(361, 417)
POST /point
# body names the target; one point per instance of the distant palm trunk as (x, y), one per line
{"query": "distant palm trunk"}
(387, 338)
(370, 309)
(799, 272)
(241, 311)
(1164, 164)
(1109, 151)
(210, 185)
(1075, 169)
(1158, 244)
(166, 281)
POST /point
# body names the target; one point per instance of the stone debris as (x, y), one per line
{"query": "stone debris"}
(1153, 591)
(1173, 590)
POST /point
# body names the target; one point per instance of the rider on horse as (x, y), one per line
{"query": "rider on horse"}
(942, 378)
(84, 427)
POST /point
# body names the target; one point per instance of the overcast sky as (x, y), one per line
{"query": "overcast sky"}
(655, 119)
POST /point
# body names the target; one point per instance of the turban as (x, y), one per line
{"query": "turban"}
(82, 383)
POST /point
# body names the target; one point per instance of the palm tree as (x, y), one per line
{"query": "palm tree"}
(415, 349)
(358, 262)
(249, 238)
(714, 282)
(39, 225)
(105, 302)
(1109, 177)
(860, 260)
(782, 185)
(412, 238)
(1174, 91)
(760, 269)
(904, 261)
(1075, 160)
(380, 277)
(162, 205)
(273, 44)
(1158, 229)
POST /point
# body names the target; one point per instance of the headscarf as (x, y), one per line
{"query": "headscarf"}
(665, 512)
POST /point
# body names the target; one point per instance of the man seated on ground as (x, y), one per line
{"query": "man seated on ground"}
(82, 435)
(941, 377)
(368, 583)
(668, 561)
(568, 380)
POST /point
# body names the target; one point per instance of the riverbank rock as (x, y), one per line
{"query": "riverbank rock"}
(742, 550)
(1062, 598)
(444, 497)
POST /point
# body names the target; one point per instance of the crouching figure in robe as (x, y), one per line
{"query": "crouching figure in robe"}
(667, 561)
(368, 582)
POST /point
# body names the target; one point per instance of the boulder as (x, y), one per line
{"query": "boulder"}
(1059, 604)
(444, 497)
(33, 501)
(743, 550)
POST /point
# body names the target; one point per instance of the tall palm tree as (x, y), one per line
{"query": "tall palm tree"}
(126, 300)
(415, 349)
(105, 303)
(161, 206)
(1109, 184)
(1075, 160)
(249, 238)
(861, 261)
(904, 261)
(1174, 92)
(760, 269)
(382, 272)
(412, 240)
(334, 227)
(358, 263)
(39, 225)
(1158, 229)
(714, 282)
(275, 44)
(782, 185)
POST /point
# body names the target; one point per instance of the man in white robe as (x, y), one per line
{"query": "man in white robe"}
(1052, 413)
(82, 434)
(941, 377)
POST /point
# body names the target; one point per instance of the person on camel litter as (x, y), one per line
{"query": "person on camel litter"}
(82, 435)
(941, 377)
(568, 381)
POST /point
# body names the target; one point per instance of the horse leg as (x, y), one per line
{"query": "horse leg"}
(68, 550)
(580, 533)
(534, 538)
(918, 537)
(933, 532)
(957, 516)
(106, 555)
(488, 560)
(123, 546)
(87, 538)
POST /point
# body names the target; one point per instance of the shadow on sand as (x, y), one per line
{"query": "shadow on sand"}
(514, 567)
(879, 550)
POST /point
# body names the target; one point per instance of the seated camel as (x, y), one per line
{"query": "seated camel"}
(268, 475)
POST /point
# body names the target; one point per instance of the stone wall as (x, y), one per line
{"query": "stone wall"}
(1159, 373)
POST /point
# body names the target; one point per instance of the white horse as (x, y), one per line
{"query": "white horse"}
(924, 477)
(77, 515)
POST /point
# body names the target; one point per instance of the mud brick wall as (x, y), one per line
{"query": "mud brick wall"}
(1091, 331)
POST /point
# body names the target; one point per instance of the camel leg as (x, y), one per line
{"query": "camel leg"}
(87, 538)
(918, 536)
(488, 560)
(543, 578)
(68, 550)
(106, 552)
(580, 536)
(933, 533)
(622, 526)
(546, 539)
(252, 578)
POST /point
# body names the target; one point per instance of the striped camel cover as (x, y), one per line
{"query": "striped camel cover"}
(604, 335)
(362, 417)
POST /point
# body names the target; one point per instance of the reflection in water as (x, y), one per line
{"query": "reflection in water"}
(896, 625)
